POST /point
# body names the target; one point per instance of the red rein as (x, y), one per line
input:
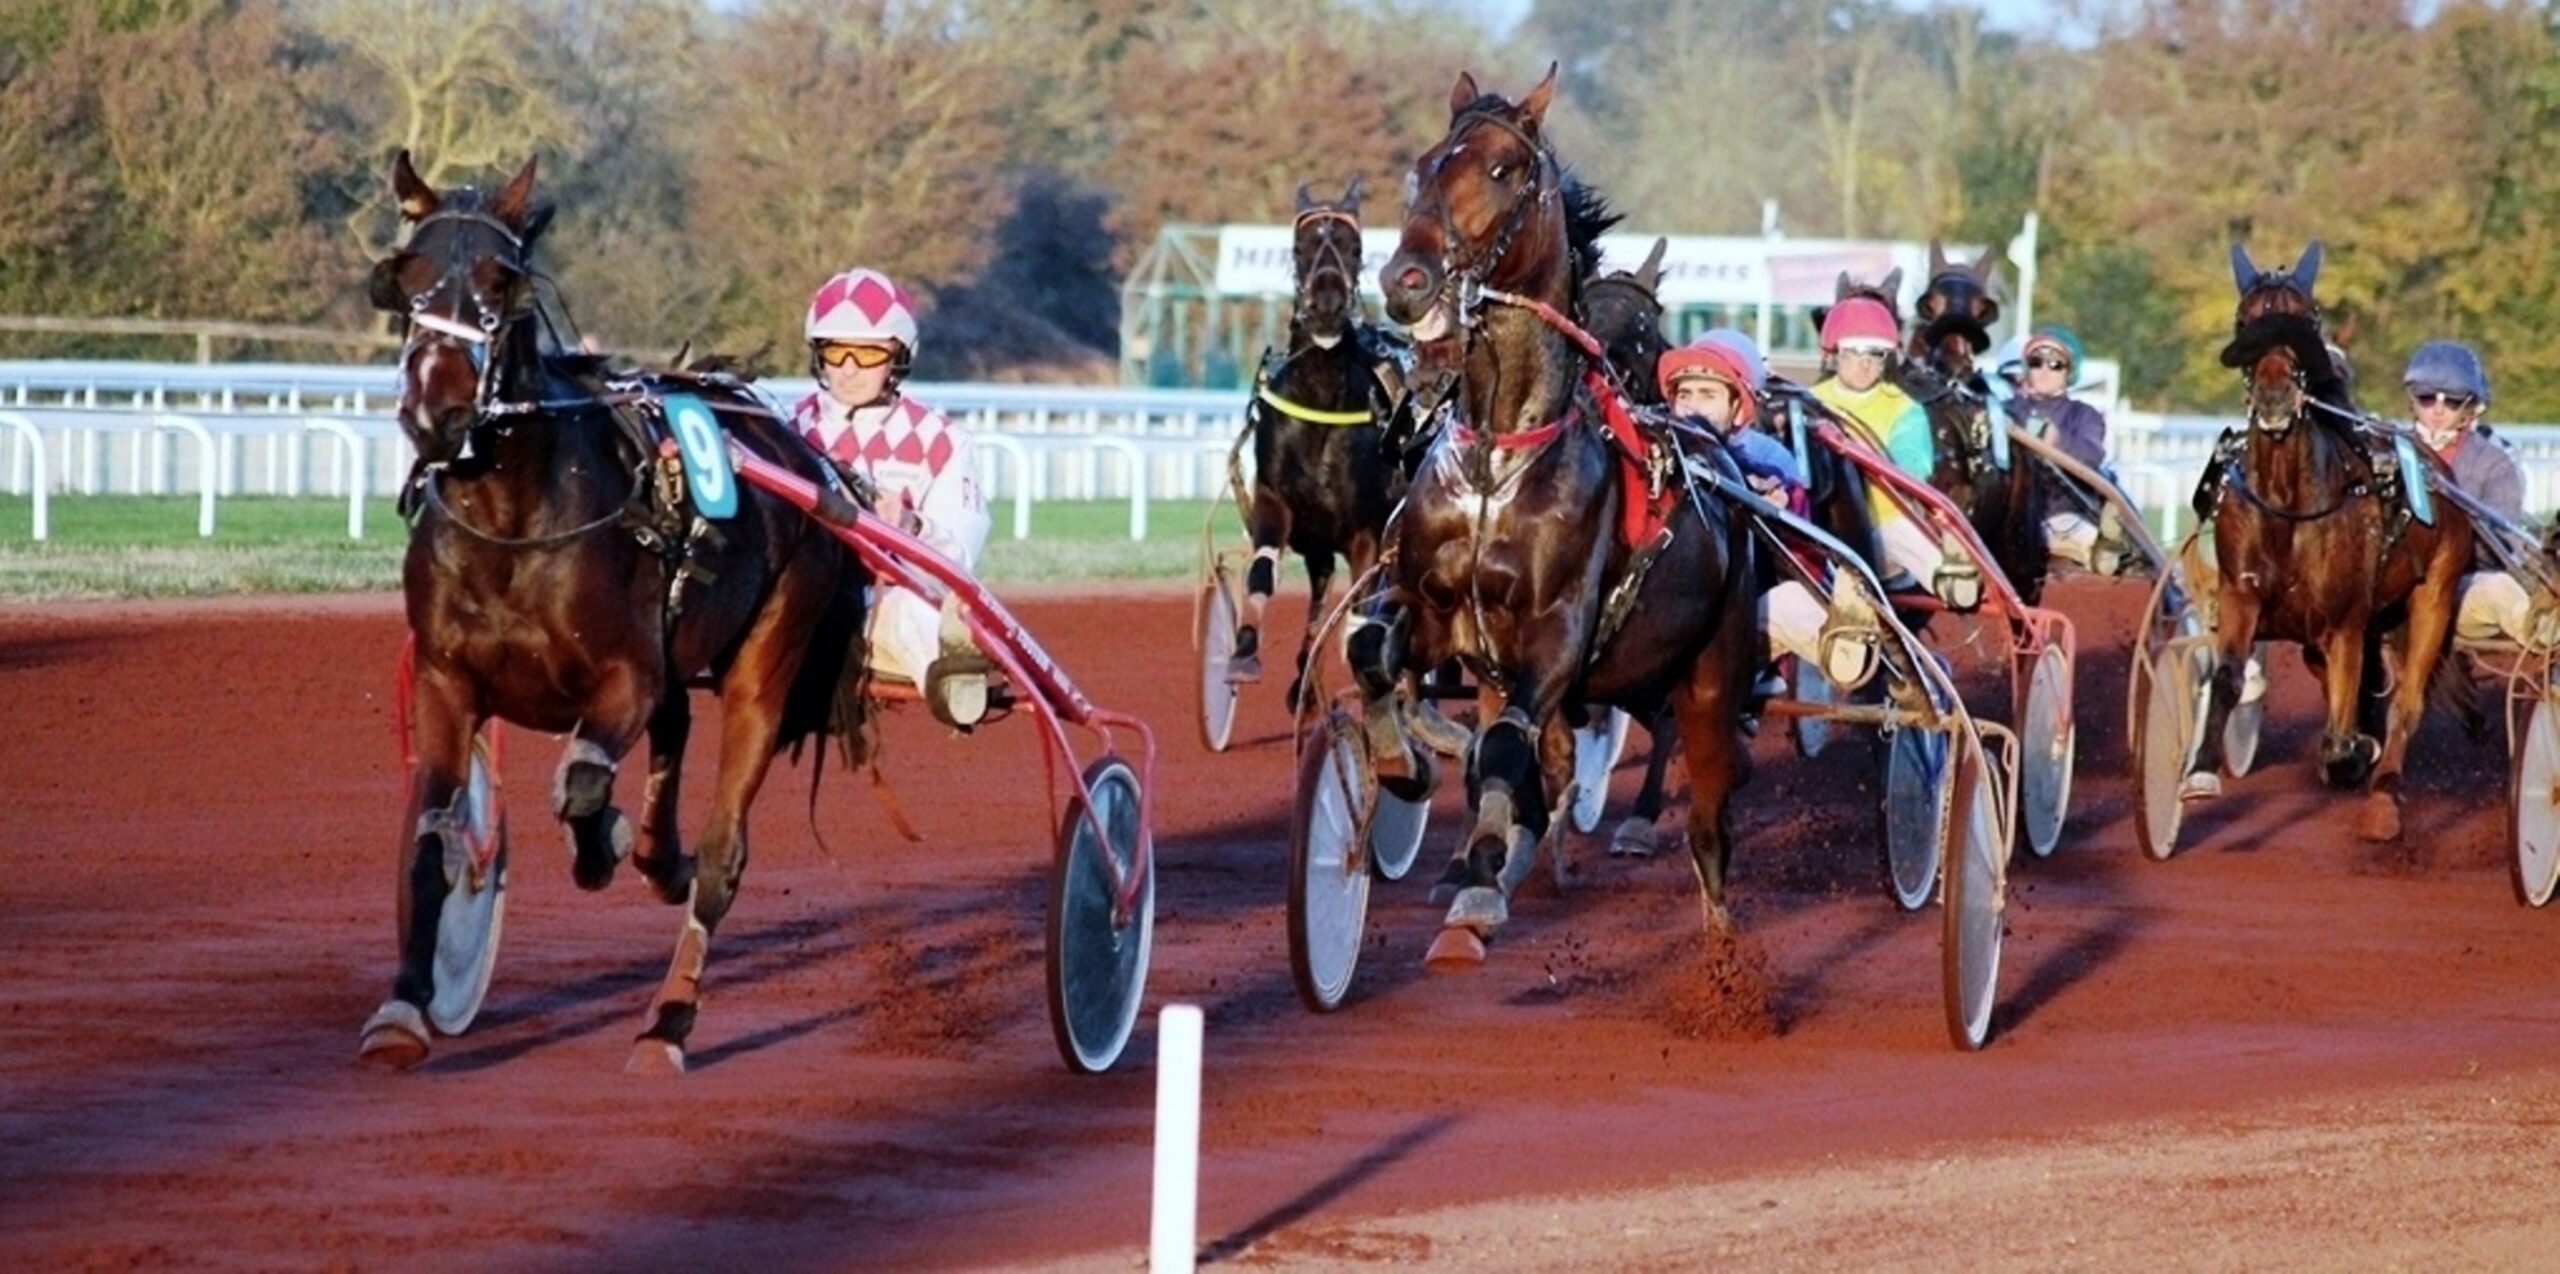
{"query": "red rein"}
(1640, 519)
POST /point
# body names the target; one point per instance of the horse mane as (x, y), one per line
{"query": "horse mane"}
(1587, 216)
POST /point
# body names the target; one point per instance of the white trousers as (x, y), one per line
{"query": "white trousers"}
(2490, 606)
(1910, 549)
(905, 634)
(2069, 537)
(1792, 617)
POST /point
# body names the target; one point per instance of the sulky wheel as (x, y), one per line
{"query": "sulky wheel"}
(2534, 805)
(1917, 785)
(1810, 687)
(2240, 730)
(1328, 875)
(475, 907)
(1098, 959)
(2047, 741)
(1216, 641)
(1596, 749)
(1400, 819)
(1977, 892)
(2165, 741)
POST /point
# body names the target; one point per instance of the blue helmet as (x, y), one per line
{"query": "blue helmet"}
(2447, 367)
(1745, 349)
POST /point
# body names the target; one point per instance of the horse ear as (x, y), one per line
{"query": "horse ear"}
(536, 222)
(1462, 94)
(515, 198)
(382, 287)
(1986, 311)
(2243, 274)
(1354, 193)
(1842, 290)
(1305, 200)
(1649, 275)
(1984, 268)
(1533, 108)
(2306, 271)
(1891, 287)
(1937, 259)
(417, 198)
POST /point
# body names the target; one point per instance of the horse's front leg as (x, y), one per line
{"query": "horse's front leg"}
(432, 849)
(2234, 636)
(2346, 753)
(582, 790)
(1270, 531)
(1512, 772)
(753, 694)
(2431, 612)
(1637, 834)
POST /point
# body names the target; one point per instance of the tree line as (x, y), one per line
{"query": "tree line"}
(1011, 158)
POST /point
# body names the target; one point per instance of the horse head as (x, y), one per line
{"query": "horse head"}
(461, 282)
(1623, 312)
(1328, 262)
(2276, 338)
(1490, 183)
(1886, 292)
(1956, 313)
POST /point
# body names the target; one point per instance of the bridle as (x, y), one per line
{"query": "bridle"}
(1329, 256)
(476, 339)
(1462, 284)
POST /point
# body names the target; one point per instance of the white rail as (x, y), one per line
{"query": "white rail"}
(27, 469)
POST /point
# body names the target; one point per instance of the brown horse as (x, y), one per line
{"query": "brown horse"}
(1328, 418)
(1524, 547)
(2316, 545)
(551, 583)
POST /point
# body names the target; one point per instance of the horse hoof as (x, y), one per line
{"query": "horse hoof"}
(1635, 839)
(2380, 818)
(1477, 907)
(655, 1058)
(1456, 950)
(396, 1036)
(2200, 787)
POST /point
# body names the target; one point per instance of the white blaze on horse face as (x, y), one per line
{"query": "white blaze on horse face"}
(426, 365)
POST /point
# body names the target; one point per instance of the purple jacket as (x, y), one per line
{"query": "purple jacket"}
(2076, 427)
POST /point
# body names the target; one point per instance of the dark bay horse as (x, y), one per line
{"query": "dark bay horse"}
(1533, 544)
(1328, 418)
(551, 583)
(2315, 544)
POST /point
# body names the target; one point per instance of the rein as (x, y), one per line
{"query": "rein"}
(431, 487)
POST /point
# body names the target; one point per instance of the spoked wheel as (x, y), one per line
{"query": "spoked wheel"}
(1977, 893)
(1097, 965)
(1328, 877)
(1596, 749)
(475, 909)
(2048, 740)
(2240, 730)
(2165, 742)
(1918, 787)
(1812, 733)
(2534, 806)
(1216, 641)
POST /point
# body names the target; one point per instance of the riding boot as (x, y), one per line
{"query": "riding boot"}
(955, 684)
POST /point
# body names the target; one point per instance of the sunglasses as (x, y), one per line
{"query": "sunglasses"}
(2458, 402)
(2048, 363)
(862, 356)
(1870, 355)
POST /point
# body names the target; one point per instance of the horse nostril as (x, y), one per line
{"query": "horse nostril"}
(1412, 279)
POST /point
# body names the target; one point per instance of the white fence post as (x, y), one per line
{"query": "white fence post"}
(350, 463)
(207, 466)
(31, 459)
(1135, 461)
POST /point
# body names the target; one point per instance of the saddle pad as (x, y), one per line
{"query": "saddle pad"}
(706, 457)
(2413, 480)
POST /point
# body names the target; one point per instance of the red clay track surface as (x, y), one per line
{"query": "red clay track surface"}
(2283, 1048)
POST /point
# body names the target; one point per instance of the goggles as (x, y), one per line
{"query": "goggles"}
(862, 356)
(2049, 363)
(2458, 402)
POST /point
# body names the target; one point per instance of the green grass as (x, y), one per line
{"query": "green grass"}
(146, 546)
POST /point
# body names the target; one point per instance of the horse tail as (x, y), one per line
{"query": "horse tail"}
(830, 696)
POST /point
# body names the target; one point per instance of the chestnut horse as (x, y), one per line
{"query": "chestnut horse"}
(550, 583)
(1327, 429)
(2315, 544)
(1566, 563)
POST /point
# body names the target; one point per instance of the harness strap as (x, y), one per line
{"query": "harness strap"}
(1520, 439)
(1311, 415)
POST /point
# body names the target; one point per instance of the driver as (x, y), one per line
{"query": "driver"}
(861, 329)
(2448, 390)
(1858, 339)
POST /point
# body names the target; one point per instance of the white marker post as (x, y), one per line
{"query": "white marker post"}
(1173, 1242)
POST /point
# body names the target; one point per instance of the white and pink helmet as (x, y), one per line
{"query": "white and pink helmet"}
(862, 305)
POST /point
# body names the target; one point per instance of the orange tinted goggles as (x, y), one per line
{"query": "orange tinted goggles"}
(863, 356)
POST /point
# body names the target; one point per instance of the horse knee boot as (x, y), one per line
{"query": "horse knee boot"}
(600, 837)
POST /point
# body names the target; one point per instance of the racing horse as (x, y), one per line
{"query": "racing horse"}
(2316, 542)
(1543, 541)
(551, 582)
(1328, 417)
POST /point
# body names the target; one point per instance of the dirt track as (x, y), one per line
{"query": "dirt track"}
(2281, 1049)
